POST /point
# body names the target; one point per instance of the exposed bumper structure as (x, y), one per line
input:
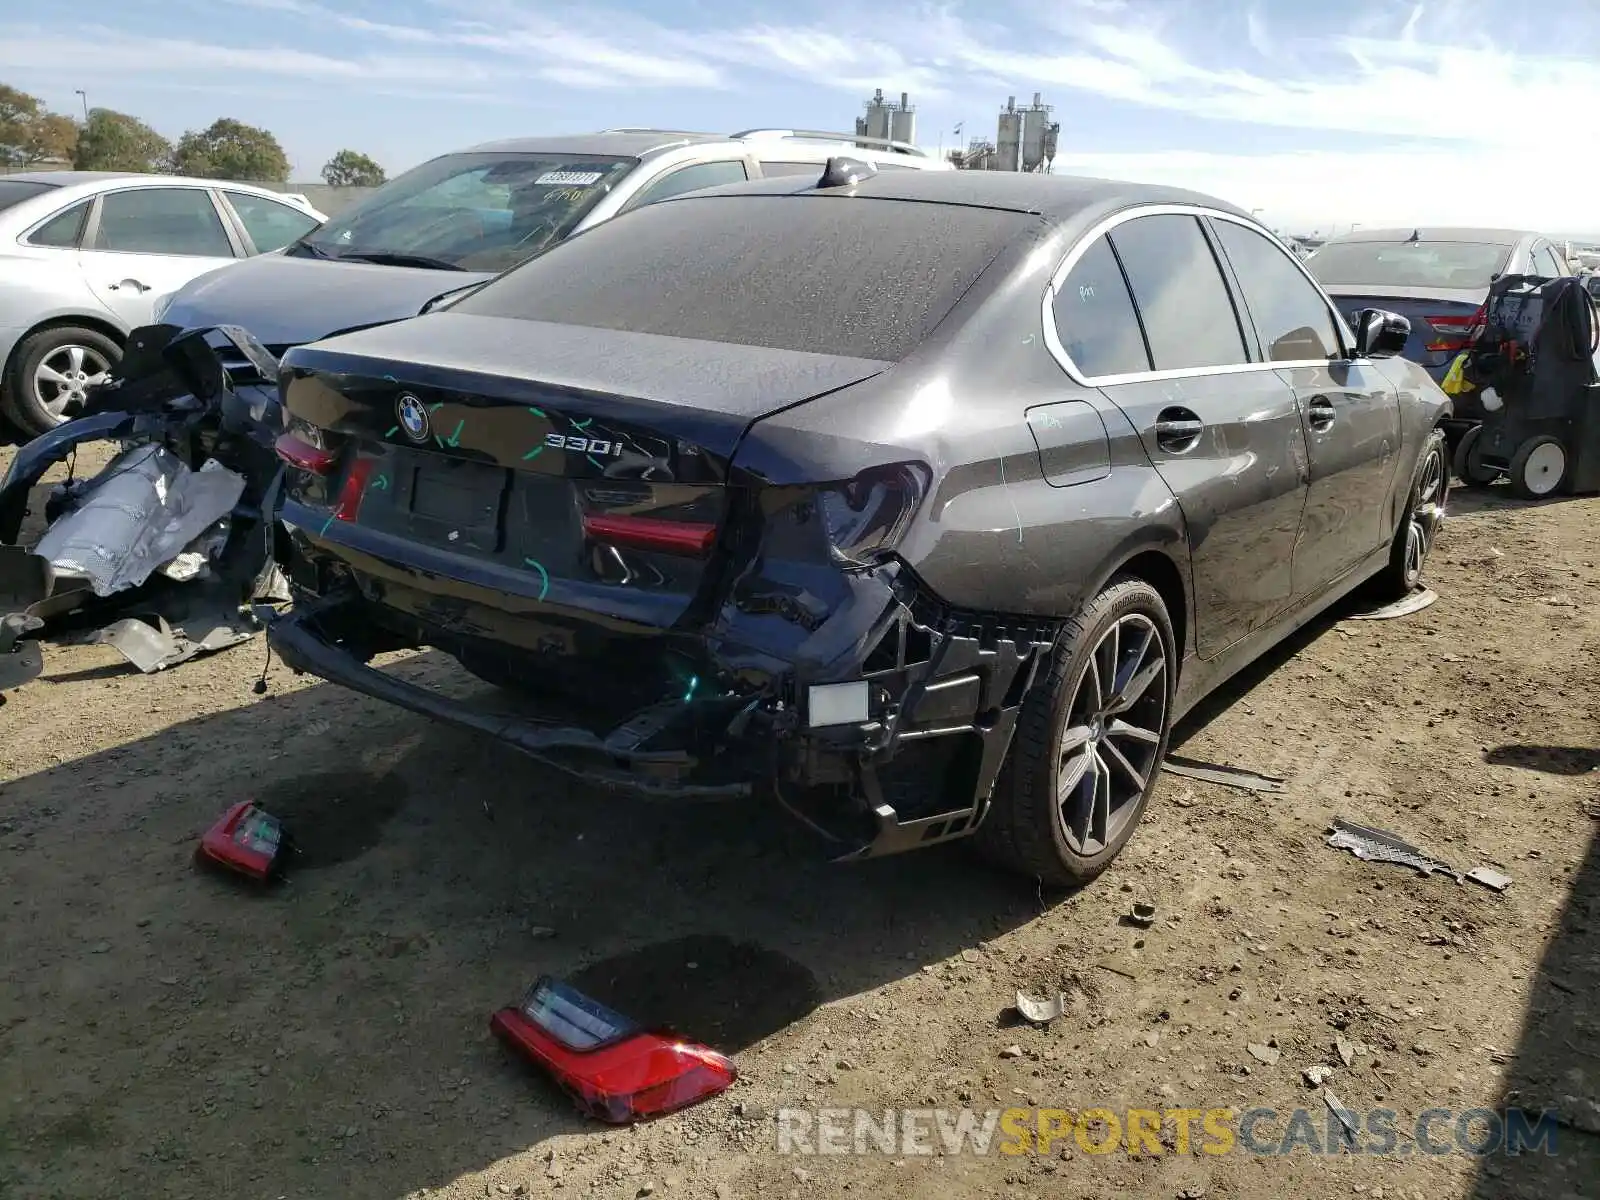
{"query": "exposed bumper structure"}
(943, 691)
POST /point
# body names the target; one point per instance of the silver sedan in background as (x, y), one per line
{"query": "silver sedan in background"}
(85, 256)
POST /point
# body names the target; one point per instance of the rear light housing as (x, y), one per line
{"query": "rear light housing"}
(301, 454)
(663, 535)
(613, 1069)
(1455, 332)
(866, 517)
(348, 506)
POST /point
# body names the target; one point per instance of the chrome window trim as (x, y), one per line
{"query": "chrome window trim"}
(1058, 352)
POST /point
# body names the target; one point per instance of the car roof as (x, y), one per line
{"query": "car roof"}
(1057, 198)
(1439, 233)
(66, 179)
(622, 144)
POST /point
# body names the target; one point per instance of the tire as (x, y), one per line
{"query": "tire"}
(1468, 461)
(70, 351)
(1539, 468)
(1420, 523)
(1065, 726)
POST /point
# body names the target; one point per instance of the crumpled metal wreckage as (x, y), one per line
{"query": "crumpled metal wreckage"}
(162, 554)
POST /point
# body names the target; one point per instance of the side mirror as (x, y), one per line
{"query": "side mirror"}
(1380, 334)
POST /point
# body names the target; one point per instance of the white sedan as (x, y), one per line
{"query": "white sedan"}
(84, 256)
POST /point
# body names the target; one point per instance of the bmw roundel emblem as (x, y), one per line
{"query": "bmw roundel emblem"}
(413, 416)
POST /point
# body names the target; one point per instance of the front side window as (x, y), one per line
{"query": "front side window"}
(162, 221)
(470, 212)
(1095, 320)
(691, 179)
(1294, 323)
(271, 224)
(63, 229)
(1188, 315)
(1546, 263)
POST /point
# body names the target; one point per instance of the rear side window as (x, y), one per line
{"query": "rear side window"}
(1188, 315)
(63, 229)
(824, 274)
(774, 169)
(270, 224)
(1545, 262)
(1290, 316)
(162, 221)
(691, 179)
(1095, 320)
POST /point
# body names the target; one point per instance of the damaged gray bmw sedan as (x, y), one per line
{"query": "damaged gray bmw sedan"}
(923, 503)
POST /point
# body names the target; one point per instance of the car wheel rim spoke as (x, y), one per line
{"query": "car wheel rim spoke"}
(1114, 724)
(63, 377)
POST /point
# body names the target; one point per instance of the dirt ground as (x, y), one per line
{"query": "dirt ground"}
(165, 1034)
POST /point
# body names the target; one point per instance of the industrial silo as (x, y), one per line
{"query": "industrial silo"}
(903, 121)
(1035, 129)
(877, 120)
(1008, 142)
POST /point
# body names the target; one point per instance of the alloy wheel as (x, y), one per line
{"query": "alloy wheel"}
(1108, 750)
(62, 379)
(1427, 512)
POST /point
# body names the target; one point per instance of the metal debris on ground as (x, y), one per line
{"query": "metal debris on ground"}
(1379, 845)
(1235, 777)
(1489, 878)
(25, 580)
(1041, 1011)
(1404, 607)
(1347, 1119)
(161, 553)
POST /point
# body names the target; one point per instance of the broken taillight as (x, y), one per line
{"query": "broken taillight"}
(348, 506)
(869, 514)
(299, 453)
(246, 840)
(1456, 332)
(613, 1069)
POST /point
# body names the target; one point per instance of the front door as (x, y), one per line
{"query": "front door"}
(144, 243)
(1350, 412)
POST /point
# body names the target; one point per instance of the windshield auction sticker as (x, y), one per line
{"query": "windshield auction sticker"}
(569, 178)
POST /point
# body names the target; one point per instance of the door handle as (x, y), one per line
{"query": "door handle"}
(135, 284)
(1321, 414)
(1178, 430)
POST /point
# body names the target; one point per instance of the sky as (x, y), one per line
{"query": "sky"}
(1372, 112)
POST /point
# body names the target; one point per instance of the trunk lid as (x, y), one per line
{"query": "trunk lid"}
(1454, 309)
(546, 467)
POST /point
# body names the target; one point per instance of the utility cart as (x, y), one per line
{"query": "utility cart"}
(1532, 370)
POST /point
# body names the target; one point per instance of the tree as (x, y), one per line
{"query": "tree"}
(30, 133)
(351, 168)
(114, 141)
(231, 149)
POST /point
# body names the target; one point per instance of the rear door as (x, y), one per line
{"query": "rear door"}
(1350, 411)
(676, 181)
(146, 242)
(1221, 428)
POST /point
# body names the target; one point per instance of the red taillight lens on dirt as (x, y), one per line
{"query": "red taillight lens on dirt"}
(302, 455)
(1455, 332)
(246, 840)
(660, 534)
(614, 1070)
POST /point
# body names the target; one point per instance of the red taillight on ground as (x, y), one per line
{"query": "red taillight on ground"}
(348, 507)
(614, 1070)
(246, 840)
(1455, 332)
(652, 533)
(301, 454)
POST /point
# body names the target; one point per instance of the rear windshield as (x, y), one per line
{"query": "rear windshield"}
(15, 191)
(823, 274)
(1410, 264)
(472, 212)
